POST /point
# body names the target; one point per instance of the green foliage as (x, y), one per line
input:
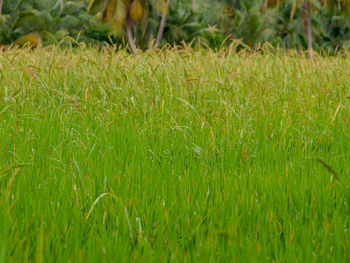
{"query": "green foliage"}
(45, 19)
(183, 25)
(213, 24)
(246, 20)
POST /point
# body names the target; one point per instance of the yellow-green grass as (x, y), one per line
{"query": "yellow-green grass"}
(173, 156)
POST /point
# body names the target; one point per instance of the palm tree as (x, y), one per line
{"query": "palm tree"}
(306, 16)
(120, 13)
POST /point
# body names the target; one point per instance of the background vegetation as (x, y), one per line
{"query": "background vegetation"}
(283, 23)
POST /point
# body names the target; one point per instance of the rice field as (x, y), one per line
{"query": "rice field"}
(181, 155)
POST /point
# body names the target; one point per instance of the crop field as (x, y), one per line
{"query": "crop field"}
(178, 155)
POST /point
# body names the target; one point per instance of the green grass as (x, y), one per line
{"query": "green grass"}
(178, 155)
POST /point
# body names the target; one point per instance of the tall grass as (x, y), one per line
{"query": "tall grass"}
(174, 155)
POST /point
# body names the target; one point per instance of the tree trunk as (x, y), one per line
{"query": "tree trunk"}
(1, 3)
(194, 9)
(130, 37)
(61, 7)
(265, 5)
(194, 5)
(307, 25)
(162, 25)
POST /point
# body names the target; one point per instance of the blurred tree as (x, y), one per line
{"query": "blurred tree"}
(162, 25)
(61, 7)
(243, 19)
(307, 24)
(120, 13)
(1, 3)
(306, 15)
